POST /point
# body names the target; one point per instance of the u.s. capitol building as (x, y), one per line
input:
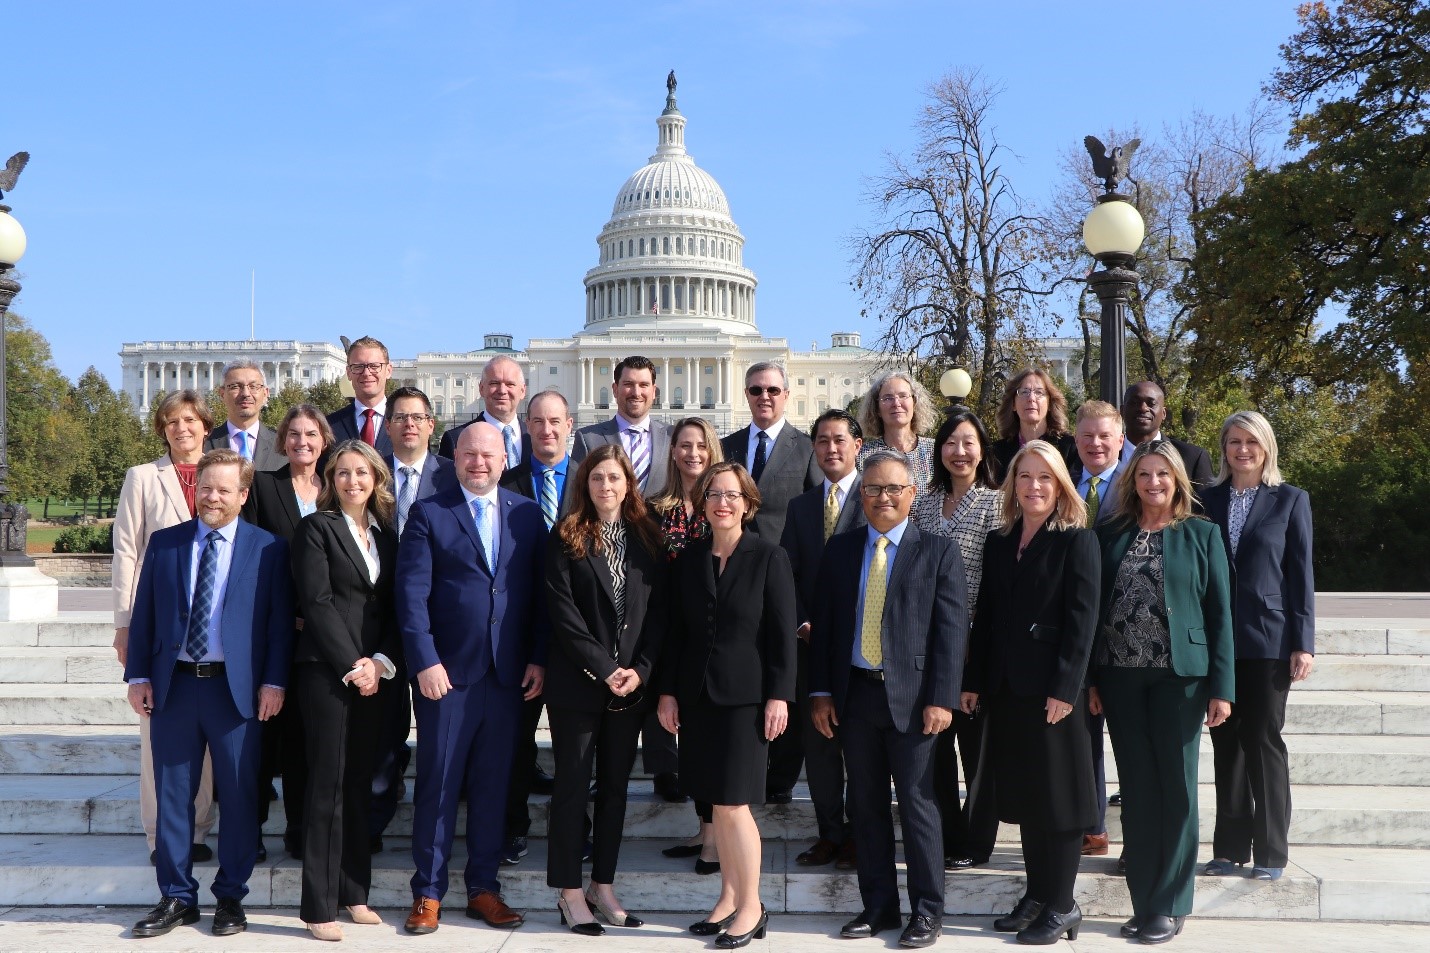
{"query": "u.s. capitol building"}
(670, 283)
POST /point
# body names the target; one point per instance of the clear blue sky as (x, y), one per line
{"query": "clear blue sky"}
(429, 171)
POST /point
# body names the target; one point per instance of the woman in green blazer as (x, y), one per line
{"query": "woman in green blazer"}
(1163, 660)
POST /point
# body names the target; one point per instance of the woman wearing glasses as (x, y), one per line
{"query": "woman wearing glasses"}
(1032, 409)
(893, 414)
(605, 575)
(726, 679)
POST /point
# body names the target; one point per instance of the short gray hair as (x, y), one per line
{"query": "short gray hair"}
(245, 364)
(889, 455)
(763, 366)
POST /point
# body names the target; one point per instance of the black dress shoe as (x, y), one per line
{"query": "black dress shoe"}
(153, 858)
(1050, 927)
(921, 931)
(200, 853)
(959, 863)
(706, 867)
(374, 844)
(541, 782)
(1024, 913)
(1159, 929)
(1114, 799)
(293, 844)
(262, 854)
(779, 797)
(683, 850)
(228, 917)
(869, 924)
(168, 914)
(1130, 928)
(711, 927)
(667, 786)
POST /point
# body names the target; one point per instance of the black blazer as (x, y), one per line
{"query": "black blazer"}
(1197, 462)
(925, 626)
(520, 481)
(803, 540)
(588, 642)
(344, 425)
(1037, 615)
(1006, 449)
(271, 504)
(1273, 589)
(447, 446)
(732, 637)
(345, 616)
(789, 471)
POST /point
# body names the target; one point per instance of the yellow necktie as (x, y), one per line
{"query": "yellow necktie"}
(831, 512)
(871, 643)
(1093, 502)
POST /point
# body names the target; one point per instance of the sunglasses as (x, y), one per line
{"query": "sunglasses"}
(625, 702)
(755, 390)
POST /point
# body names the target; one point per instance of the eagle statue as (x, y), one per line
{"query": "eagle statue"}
(1110, 167)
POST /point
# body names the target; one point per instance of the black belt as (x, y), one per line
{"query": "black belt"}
(872, 674)
(200, 669)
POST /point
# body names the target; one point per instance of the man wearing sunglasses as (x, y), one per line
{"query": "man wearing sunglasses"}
(244, 395)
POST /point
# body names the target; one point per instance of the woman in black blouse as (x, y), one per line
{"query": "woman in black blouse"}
(604, 574)
(1032, 409)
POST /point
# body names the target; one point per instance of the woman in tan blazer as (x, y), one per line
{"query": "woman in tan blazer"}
(155, 496)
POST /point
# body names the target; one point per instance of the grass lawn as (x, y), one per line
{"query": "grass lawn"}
(58, 508)
(41, 539)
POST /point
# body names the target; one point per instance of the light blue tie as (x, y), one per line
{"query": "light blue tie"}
(484, 532)
(243, 448)
(548, 497)
(509, 439)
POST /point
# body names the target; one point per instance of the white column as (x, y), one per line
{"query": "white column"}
(722, 370)
(146, 371)
(667, 392)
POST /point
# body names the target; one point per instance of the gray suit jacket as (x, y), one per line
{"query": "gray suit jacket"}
(789, 471)
(607, 431)
(265, 457)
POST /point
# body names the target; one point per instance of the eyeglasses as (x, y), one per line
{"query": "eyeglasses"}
(625, 702)
(755, 390)
(252, 388)
(889, 399)
(404, 419)
(371, 368)
(1032, 392)
(874, 490)
(728, 496)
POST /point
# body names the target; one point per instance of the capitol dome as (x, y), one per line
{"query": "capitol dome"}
(671, 257)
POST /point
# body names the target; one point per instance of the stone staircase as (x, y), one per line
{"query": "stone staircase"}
(1358, 734)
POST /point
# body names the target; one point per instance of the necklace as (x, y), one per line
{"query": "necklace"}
(192, 481)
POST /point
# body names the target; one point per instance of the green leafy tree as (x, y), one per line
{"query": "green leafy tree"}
(44, 441)
(278, 404)
(116, 436)
(327, 396)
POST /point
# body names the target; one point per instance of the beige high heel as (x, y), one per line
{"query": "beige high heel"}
(325, 931)
(362, 913)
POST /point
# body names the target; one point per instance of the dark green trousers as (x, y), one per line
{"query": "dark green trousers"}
(1155, 719)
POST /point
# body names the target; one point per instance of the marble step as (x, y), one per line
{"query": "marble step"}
(1341, 883)
(1364, 673)
(1355, 815)
(94, 629)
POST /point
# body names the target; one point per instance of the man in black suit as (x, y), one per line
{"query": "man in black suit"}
(503, 388)
(1144, 409)
(645, 441)
(365, 418)
(780, 459)
(244, 395)
(888, 640)
(416, 475)
(813, 517)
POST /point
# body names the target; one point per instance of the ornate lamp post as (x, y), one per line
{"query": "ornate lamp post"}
(13, 517)
(955, 385)
(1113, 231)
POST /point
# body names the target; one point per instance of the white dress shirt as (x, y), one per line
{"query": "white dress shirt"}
(772, 432)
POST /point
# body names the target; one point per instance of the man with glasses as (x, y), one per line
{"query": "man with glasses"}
(503, 387)
(244, 396)
(886, 652)
(365, 418)
(645, 441)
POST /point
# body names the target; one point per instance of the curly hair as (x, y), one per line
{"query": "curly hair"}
(924, 412)
(580, 529)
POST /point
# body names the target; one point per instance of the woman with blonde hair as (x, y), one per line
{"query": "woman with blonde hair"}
(1031, 639)
(1163, 663)
(1032, 409)
(894, 414)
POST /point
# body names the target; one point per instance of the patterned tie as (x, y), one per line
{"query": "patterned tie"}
(196, 642)
(548, 497)
(484, 532)
(640, 456)
(871, 645)
(831, 511)
(758, 467)
(1094, 502)
(369, 427)
(407, 496)
(508, 438)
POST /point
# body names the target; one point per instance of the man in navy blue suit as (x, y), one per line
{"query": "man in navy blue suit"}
(210, 641)
(470, 577)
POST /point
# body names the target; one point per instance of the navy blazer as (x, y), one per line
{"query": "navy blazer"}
(1273, 589)
(451, 604)
(803, 539)
(256, 621)
(925, 626)
(344, 425)
(438, 475)
(790, 469)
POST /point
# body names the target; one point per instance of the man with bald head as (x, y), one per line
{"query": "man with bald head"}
(503, 388)
(469, 585)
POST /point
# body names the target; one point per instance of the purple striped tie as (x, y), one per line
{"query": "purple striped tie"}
(640, 455)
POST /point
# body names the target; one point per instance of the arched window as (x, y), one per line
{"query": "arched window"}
(642, 246)
(665, 245)
(438, 406)
(709, 398)
(458, 405)
(679, 245)
(679, 398)
(702, 248)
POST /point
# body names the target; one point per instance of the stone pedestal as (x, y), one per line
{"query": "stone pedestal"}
(26, 594)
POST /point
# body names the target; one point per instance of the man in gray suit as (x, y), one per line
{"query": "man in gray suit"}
(813, 517)
(886, 654)
(646, 441)
(780, 459)
(244, 396)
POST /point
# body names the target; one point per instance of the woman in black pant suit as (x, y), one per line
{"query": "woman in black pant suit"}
(605, 575)
(1031, 641)
(343, 561)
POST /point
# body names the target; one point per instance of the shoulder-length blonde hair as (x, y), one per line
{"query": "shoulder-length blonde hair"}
(1007, 416)
(1129, 504)
(925, 415)
(674, 494)
(381, 503)
(1260, 428)
(580, 529)
(1070, 512)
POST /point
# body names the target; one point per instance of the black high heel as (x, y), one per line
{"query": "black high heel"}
(711, 927)
(731, 941)
(1051, 926)
(615, 919)
(583, 929)
(1025, 911)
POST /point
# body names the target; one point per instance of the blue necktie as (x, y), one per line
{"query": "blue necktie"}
(484, 532)
(548, 497)
(758, 466)
(509, 439)
(196, 643)
(243, 449)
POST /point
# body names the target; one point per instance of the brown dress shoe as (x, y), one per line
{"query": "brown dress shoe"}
(820, 854)
(490, 907)
(1094, 845)
(845, 860)
(425, 914)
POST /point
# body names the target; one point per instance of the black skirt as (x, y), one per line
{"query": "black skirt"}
(1042, 773)
(723, 752)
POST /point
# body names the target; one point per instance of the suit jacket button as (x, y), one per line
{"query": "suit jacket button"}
(176, 645)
